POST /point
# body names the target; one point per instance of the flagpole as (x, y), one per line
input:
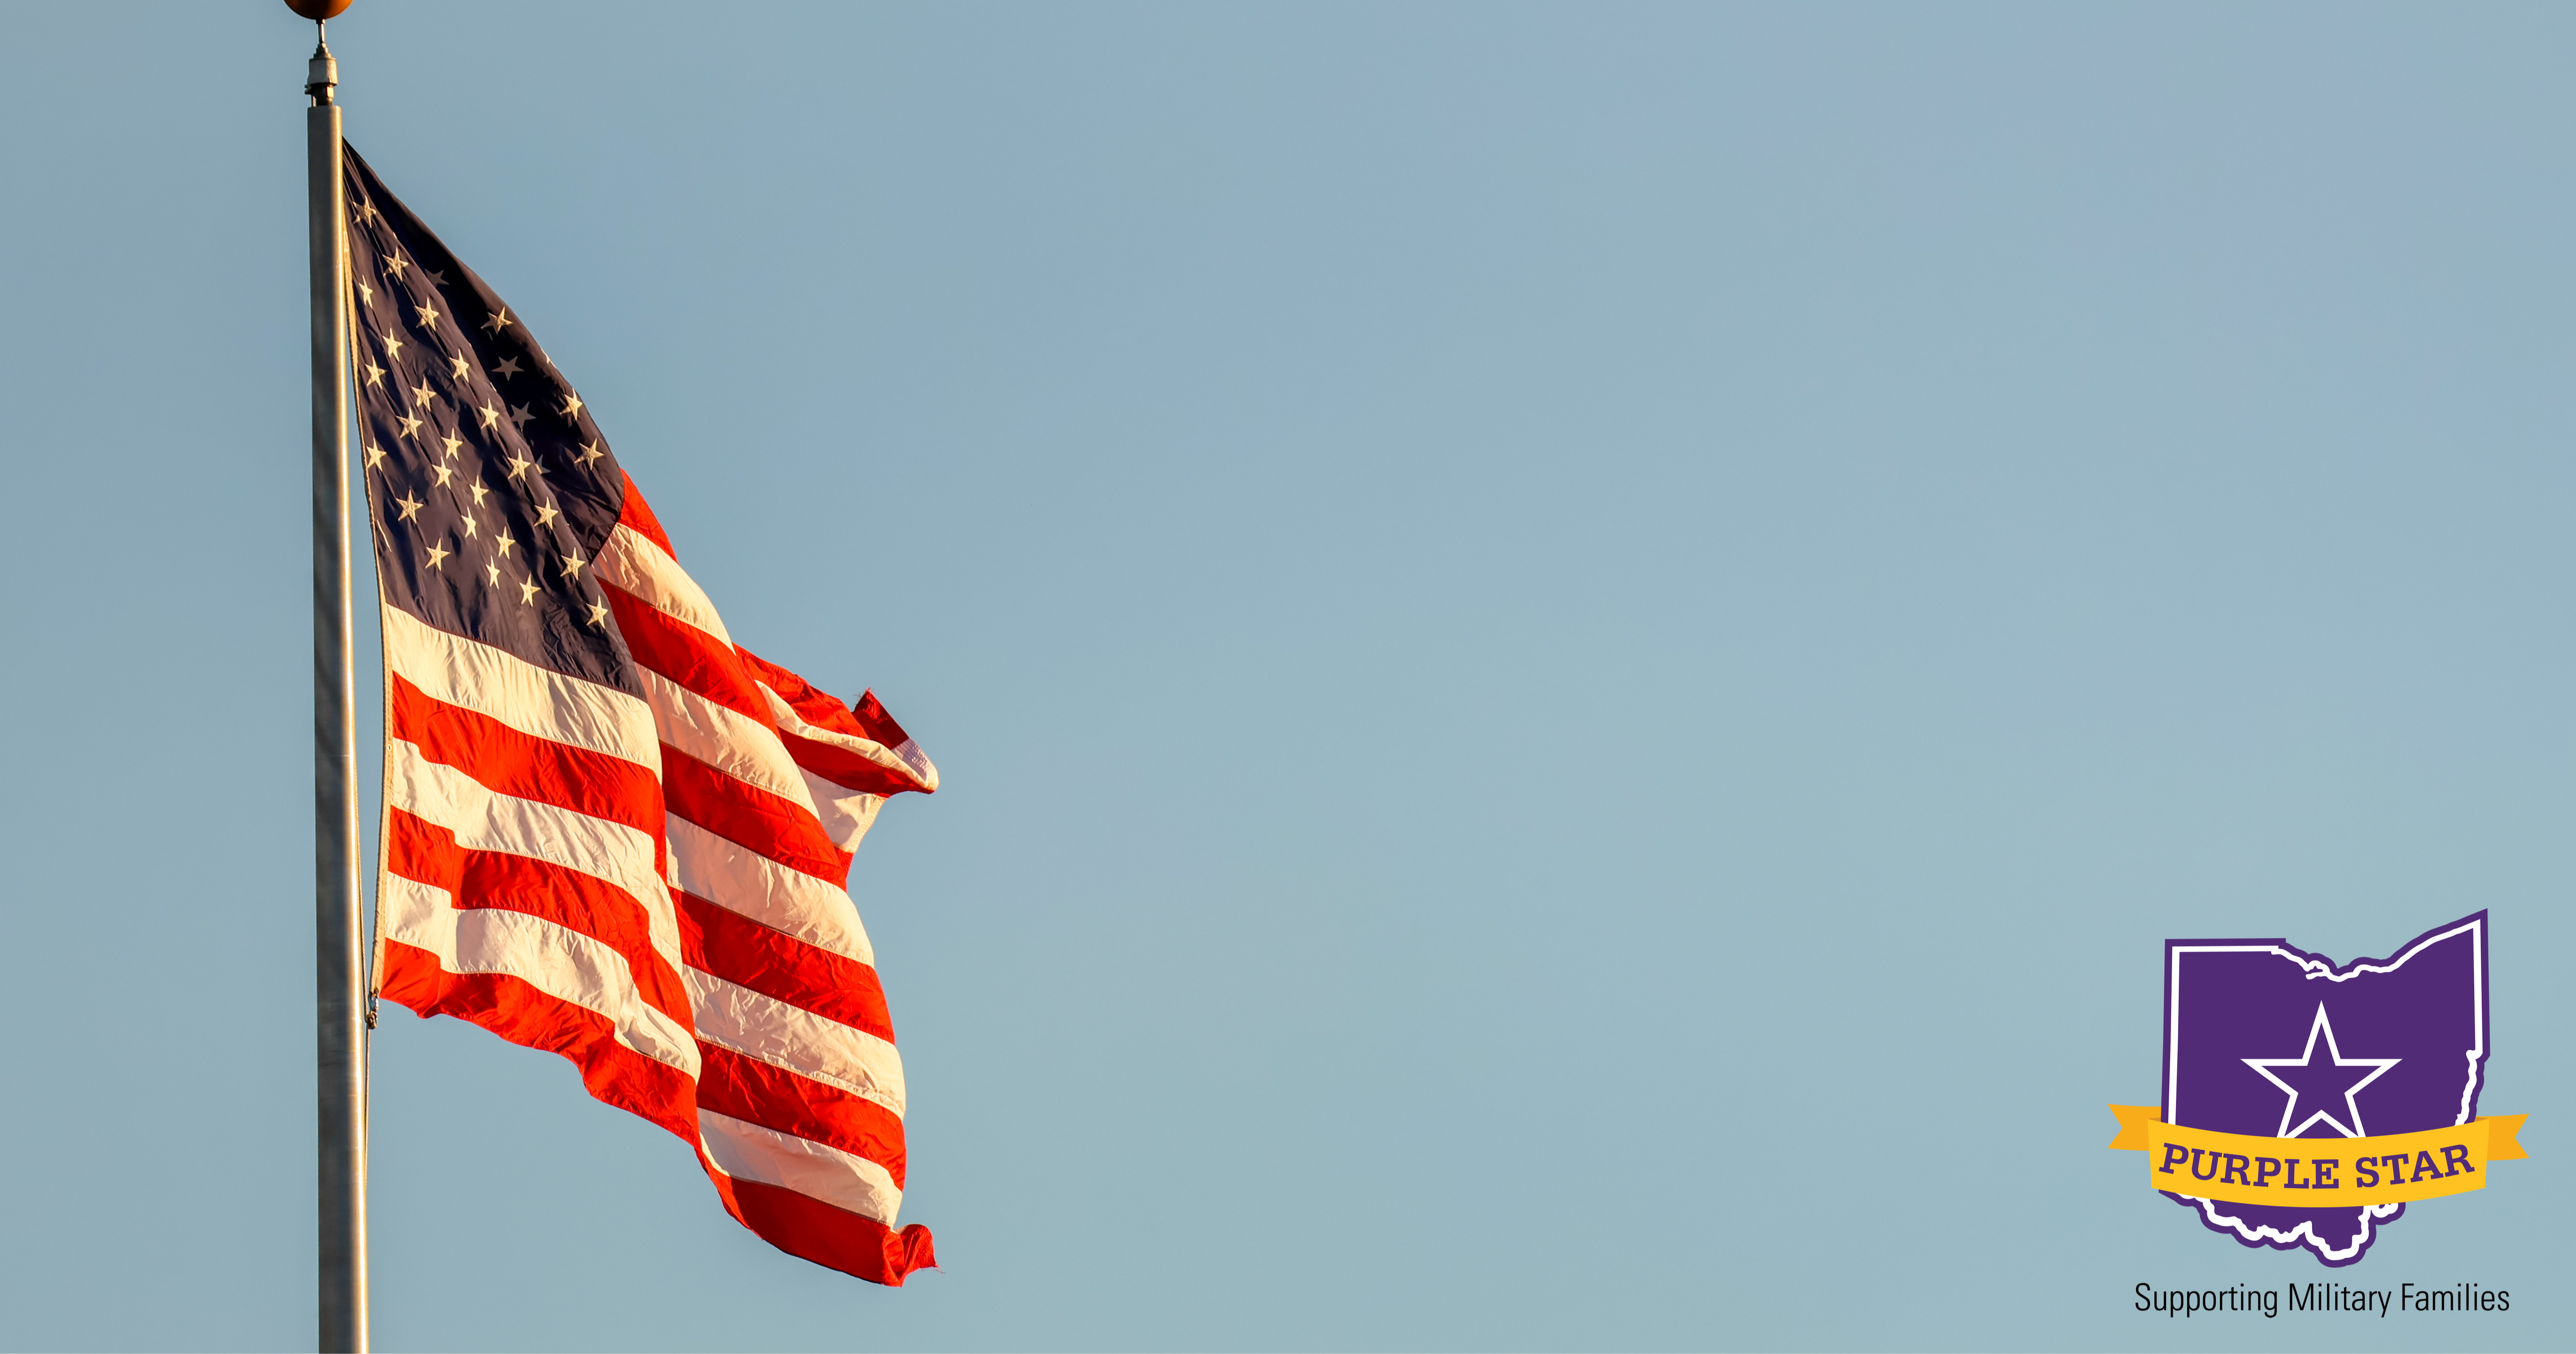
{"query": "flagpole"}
(340, 1047)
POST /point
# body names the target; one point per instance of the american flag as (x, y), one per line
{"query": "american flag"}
(609, 831)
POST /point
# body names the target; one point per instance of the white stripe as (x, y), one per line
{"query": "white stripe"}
(907, 763)
(751, 1152)
(531, 699)
(739, 879)
(846, 815)
(723, 737)
(484, 819)
(760, 1026)
(630, 560)
(560, 962)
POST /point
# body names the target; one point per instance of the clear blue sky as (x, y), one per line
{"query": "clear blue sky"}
(1567, 642)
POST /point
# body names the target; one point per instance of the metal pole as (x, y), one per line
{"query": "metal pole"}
(340, 1064)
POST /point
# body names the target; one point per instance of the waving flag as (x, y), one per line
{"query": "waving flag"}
(609, 831)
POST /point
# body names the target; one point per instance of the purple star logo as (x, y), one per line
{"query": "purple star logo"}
(2233, 1009)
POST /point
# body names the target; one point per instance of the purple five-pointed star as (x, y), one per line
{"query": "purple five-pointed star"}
(2322, 1089)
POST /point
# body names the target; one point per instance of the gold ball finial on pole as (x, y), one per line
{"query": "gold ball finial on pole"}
(318, 10)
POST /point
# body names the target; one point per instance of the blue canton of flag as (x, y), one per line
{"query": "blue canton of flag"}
(491, 487)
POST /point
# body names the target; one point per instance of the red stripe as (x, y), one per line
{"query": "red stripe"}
(634, 512)
(416, 848)
(523, 765)
(845, 768)
(517, 1011)
(685, 654)
(876, 723)
(834, 1238)
(821, 709)
(773, 825)
(773, 963)
(773, 1097)
(818, 707)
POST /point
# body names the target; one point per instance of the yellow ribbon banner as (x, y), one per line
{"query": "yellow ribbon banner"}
(2317, 1172)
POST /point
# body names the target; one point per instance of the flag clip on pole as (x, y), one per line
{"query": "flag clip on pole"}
(340, 1045)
